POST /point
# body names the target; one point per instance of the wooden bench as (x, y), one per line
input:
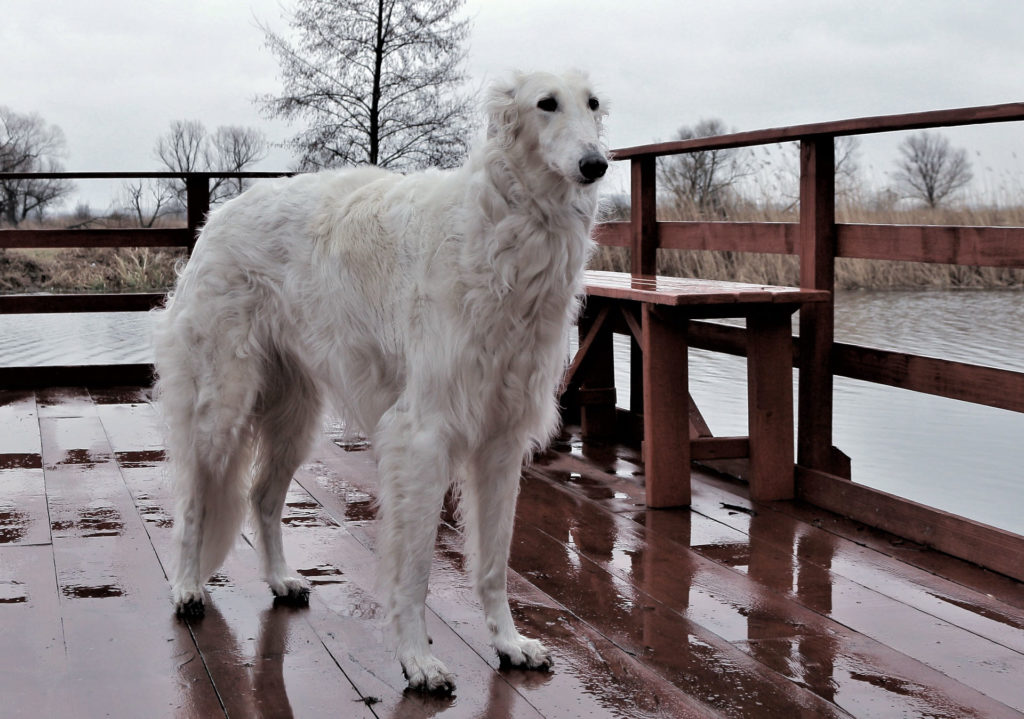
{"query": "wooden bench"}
(657, 311)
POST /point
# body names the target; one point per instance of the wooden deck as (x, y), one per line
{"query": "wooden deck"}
(724, 609)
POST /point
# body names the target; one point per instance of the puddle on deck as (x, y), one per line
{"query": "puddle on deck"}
(100, 520)
(27, 460)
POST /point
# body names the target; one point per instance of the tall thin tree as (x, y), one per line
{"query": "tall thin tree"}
(376, 82)
(188, 147)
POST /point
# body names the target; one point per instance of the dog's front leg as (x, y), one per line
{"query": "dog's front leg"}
(414, 475)
(490, 496)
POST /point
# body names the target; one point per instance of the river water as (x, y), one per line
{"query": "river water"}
(952, 455)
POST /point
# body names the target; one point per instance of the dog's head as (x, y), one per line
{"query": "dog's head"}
(552, 122)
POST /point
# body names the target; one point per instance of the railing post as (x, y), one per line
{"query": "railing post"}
(197, 194)
(643, 254)
(817, 321)
(643, 257)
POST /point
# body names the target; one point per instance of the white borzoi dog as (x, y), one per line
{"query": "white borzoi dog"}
(431, 310)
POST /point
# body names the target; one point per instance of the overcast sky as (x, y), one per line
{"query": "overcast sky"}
(114, 73)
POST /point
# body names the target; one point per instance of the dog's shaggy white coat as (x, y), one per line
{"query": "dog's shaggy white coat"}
(430, 310)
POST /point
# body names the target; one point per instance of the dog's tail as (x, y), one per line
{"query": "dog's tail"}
(207, 407)
(211, 471)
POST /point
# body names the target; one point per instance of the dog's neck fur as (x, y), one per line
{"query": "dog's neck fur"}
(525, 226)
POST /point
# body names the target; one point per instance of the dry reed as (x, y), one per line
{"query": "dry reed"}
(777, 269)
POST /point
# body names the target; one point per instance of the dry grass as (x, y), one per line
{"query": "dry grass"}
(149, 270)
(104, 269)
(135, 269)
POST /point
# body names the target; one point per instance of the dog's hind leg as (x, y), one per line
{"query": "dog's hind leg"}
(488, 509)
(287, 416)
(414, 469)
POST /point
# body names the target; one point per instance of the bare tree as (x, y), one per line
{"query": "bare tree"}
(781, 180)
(930, 169)
(187, 147)
(147, 200)
(704, 181)
(28, 144)
(847, 165)
(233, 149)
(376, 81)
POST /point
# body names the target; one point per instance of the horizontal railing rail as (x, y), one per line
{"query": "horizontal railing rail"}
(197, 188)
(977, 246)
(1009, 112)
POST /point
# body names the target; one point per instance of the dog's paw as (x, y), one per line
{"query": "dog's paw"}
(426, 673)
(523, 653)
(292, 591)
(188, 602)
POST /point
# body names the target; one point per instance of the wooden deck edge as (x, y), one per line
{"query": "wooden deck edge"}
(981, 544)
(112, 375)
(101, 302)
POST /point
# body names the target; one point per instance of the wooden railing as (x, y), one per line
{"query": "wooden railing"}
(822, 471)
(197, 187)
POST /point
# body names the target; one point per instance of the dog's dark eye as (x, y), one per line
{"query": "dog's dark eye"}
(594, 104)
(548, 104)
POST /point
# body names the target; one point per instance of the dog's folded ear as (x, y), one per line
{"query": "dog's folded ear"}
(502, 112)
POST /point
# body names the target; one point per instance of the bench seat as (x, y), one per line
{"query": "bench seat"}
(657, 311)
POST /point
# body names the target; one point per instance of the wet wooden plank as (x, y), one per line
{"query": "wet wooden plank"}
(690, 292)
(24, 519)
(142, 663)
(32, 650)
(674, 646)
(880, 554)
(985, 545)
(23, 513)
(264, 659)
(18, 418)
(818, 545)
(592, 677)
(64, 401)
(789, 636)
(964, 634)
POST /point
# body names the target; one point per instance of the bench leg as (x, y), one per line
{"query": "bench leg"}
(666, 419)
(597, 392)
(770, 404)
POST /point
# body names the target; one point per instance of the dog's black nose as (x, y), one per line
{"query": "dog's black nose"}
(593, 166)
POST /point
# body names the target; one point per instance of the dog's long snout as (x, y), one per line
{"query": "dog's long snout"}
(593, 166)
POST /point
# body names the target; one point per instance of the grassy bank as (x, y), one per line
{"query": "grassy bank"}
(104, 269)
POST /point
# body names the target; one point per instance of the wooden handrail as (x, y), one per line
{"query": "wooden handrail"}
(136, 175)
(1009, 112)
